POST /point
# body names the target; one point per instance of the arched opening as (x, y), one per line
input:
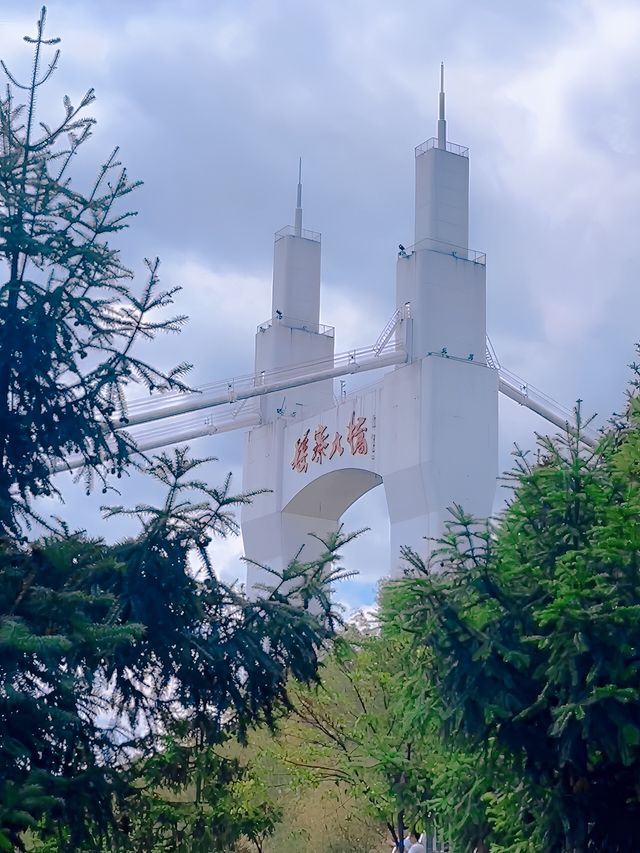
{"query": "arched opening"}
(368, 555)
(331, 494)
(317, 510)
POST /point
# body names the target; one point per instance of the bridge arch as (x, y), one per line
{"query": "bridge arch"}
(331, 494)
(314, 512)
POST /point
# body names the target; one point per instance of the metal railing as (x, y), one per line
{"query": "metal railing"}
(428, 244)
(158, 423)
(522, 392)
(159, 434)
(451, 147)
(265, 382)
(384, 353)
(492, 359)
(290, 231)
(527, 395)
(301, 325)
(208, 423)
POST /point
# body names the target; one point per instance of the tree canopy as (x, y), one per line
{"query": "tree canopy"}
(532, 640)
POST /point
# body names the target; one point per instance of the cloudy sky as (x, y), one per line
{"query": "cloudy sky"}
(211, 104)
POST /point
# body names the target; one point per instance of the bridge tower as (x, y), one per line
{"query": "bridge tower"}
(427, 431)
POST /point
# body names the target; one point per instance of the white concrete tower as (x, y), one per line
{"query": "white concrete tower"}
(427, 430)
(439, 417)
(292, 336)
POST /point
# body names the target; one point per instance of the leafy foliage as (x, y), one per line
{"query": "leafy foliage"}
(357, 730)
(189, 798)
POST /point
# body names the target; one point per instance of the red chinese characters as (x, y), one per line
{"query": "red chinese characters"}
(299, 462)
(321, 442)
(336, 446)
(356, 438)
(323, 448)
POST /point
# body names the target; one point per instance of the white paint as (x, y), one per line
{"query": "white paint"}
(296, 277)
(442, 196)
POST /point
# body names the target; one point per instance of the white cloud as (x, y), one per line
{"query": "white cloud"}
(234, 301)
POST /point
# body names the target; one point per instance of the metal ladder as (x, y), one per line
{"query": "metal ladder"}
(388, 330)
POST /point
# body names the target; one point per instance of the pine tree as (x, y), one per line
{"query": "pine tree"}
(69, 317)
(104, 648)
(533, 640)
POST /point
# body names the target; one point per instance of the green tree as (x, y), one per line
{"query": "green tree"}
(189, 798)
(533, 638)
(104, 648)
(374, 728)
(358, 731)
(472, 786)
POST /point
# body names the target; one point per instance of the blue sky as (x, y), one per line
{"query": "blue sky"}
(212, 103)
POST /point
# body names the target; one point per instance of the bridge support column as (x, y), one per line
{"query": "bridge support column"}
(438, 446)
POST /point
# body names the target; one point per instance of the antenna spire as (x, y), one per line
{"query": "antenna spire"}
(298, 219)
(442, 122)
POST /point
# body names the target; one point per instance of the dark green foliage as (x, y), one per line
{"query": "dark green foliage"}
(103, 647)
(533, 639)
(189, 798)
